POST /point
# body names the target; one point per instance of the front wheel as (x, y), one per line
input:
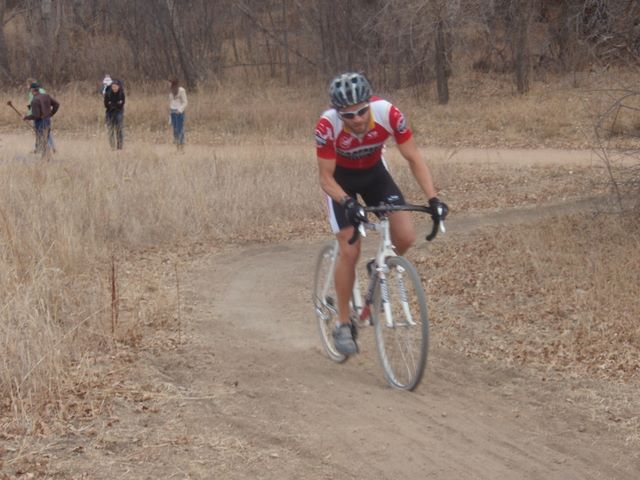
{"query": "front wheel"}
(325, 299)
(402, 325)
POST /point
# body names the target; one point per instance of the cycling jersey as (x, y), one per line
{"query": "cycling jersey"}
(334, 141)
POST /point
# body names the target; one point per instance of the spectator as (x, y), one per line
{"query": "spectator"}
(114, 104)
(177, 105)
(42, 108)
(30, 81)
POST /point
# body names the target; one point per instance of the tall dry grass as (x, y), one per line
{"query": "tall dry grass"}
(62, 221)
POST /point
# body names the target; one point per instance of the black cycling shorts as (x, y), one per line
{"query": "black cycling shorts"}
(374, 185)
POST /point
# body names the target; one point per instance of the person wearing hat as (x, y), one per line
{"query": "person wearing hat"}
(31, 81)
(41, 108)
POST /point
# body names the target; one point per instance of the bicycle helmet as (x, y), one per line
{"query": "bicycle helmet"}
(349, 89)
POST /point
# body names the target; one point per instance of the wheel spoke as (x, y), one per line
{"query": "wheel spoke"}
(324, 297)
(403, 336)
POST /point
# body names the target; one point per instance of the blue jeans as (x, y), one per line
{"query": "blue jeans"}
(51, 144)
(177, 121)
(43, 132)
(115, 128)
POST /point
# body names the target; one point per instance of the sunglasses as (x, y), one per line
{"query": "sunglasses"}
(352, 115)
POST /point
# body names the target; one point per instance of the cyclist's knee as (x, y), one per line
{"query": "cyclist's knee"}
(404, 239)
(348, 253)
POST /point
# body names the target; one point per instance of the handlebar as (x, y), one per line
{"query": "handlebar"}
(438, 224)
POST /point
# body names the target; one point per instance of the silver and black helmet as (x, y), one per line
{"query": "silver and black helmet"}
(349, 89)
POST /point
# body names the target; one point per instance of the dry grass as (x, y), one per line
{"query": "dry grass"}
(555, 295)
(63, 221)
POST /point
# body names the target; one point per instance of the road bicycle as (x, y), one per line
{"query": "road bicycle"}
(394, 303)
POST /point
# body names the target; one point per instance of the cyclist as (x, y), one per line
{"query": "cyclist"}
(349, 141)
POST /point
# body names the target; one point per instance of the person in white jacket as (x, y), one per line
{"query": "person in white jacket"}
(177, 105)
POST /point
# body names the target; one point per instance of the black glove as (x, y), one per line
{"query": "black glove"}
(436, 204)
(353, 211)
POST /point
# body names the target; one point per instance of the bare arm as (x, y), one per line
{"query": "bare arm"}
(421, 172)
(327, 182)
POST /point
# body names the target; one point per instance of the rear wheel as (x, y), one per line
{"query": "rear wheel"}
(402, 325)
(325, 299)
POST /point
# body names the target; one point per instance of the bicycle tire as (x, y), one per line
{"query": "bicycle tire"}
(325, 301)
(402, 347)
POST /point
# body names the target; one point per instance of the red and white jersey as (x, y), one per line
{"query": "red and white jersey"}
(335, 141)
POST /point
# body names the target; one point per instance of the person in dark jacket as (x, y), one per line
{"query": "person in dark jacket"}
(43, 107)
(114, 105)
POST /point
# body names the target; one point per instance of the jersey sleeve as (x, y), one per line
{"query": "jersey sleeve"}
(401, 132)
(325, 146)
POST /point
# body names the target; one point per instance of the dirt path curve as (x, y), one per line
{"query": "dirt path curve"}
(267, 389)
(252, 396)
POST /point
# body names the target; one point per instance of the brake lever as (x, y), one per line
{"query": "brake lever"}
(437, 225)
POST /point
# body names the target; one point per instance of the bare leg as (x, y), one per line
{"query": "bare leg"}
(403, 234)
(345, 272)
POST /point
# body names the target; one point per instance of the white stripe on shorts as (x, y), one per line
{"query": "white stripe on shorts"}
(332, 215)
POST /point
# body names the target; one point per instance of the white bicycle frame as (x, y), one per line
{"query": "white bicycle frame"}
(385, 250)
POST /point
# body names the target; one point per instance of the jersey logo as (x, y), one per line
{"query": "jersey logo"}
(321, 138)
(345, 142)
(360, 152)
(402, 123)
(372, 134)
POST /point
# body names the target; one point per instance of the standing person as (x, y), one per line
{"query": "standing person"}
(349, 141)
(177, 105)
(114, 104)
(31, 81)
(42, 108)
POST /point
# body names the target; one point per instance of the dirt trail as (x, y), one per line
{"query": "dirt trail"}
(250, 395)
(261, 401)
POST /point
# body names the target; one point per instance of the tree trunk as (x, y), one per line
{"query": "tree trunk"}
(184, 57)
(5, 69)
(522, 57)
(442, 77)
(285, 40)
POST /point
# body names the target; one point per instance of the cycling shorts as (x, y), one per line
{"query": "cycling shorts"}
(375, 185)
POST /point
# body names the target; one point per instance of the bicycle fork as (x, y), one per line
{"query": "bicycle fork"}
(381, 279)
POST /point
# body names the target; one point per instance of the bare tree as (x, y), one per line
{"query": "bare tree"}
(184, 56)
(5, 68)
(397, 43)
(521, 14)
